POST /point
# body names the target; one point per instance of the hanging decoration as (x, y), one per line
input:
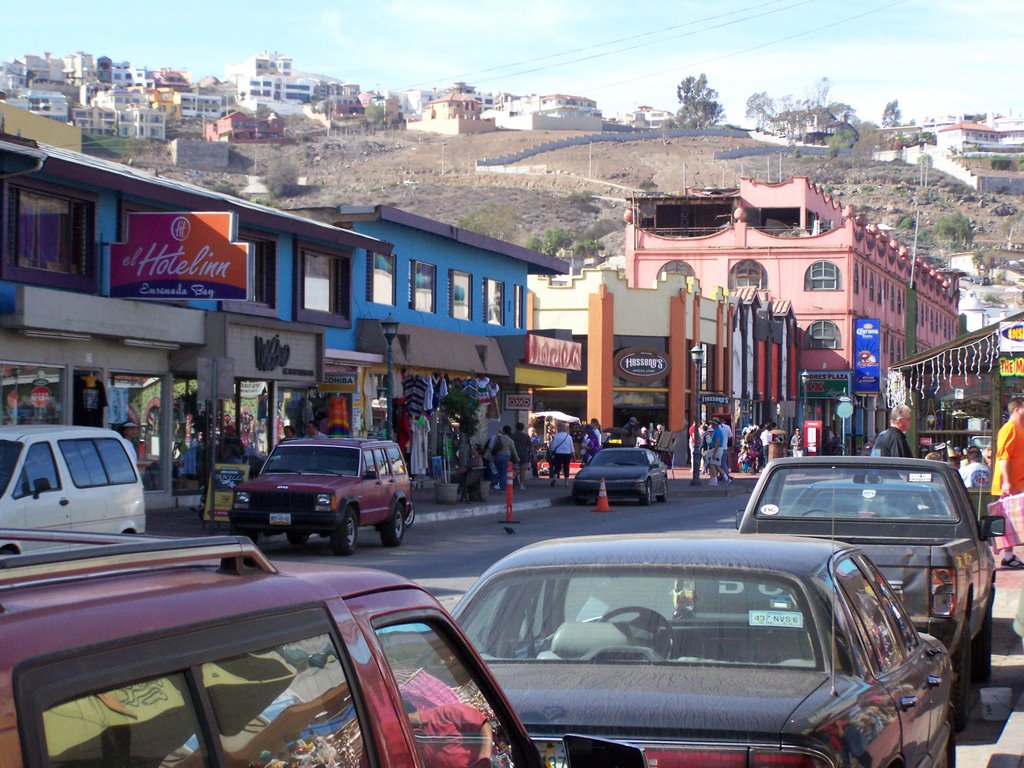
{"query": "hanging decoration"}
(973, 358)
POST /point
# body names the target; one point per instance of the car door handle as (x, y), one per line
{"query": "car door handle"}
(908, 702)
(65, 502)
(934, 681)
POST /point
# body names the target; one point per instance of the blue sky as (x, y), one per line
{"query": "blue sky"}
(934, 56)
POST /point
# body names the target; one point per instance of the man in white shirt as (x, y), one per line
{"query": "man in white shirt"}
(975, 473)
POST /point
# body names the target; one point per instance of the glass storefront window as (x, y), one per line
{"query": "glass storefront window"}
(292, 408)
(189, 449)
(252, 420)
(137, 397)
(32, 394)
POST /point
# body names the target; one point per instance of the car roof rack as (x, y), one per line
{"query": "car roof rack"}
(107, 554)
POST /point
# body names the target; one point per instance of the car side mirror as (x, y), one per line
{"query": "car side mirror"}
(992, 525)
(40, 485)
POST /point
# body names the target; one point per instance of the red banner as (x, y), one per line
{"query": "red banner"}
(553, 353)
(178, 256)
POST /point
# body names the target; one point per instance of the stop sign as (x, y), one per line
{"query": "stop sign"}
(40, 397)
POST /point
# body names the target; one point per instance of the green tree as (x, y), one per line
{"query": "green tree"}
(700, 107)
(585, 248)
(375, 116)
(956, 229)
(891, 115)
(556, 240)
(497, 221)
(761, 109)
(534, 243)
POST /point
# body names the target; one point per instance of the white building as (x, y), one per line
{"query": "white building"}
(412, 101)
(120, 99)
(13, 76)
(50, 104)
(267, 80)
(205, 105)
(79, 68)
(44, 69)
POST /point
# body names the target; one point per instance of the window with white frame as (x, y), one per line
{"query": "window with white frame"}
(422, 286)
(823, 334)
(325, 287)
(494, 302)
(519, 307)
(822, 276)
(460, 305)
(748, 274)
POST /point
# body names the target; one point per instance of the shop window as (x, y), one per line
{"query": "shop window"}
(823, 334)
(380, 278)
(856, 278)
(518, 307)
(326, 291)
(460, 305)
(137, 398)
(748, 274)
(422, 279)
(494, 302)
(32, 394)
(263, 266)
(50, 239)
(189, 448)
(822, 276)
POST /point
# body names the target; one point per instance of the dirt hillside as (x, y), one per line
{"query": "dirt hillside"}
(579, 187)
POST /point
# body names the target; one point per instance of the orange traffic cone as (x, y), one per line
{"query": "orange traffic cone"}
(602, 499)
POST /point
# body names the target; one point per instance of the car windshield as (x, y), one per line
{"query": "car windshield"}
(314, 459)
(663, 615)
(857, 492)
(9, 452)
(621, 457)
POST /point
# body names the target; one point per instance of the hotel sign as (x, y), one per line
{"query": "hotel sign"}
(553, 353)
(180, 256)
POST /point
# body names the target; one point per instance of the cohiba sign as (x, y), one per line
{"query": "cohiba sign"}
(641, 364)
(178, 256)
(553, 353)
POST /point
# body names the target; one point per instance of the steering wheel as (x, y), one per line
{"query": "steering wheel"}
(648, 628)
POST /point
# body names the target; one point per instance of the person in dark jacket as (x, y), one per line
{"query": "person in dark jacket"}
(893, 441)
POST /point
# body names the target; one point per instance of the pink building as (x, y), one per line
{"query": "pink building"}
(795, 242)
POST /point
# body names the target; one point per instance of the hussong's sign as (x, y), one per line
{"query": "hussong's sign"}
(179, 256)
(641, 364)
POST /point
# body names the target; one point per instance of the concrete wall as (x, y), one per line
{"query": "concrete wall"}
(452, 127)
(201, 155)
(547, 123)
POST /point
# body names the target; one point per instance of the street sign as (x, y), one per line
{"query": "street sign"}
(518, 401)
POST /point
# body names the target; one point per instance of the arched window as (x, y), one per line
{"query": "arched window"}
(680, 266)
(748, 274)
(823, 334)
(822, 276)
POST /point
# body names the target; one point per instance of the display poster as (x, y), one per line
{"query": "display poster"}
(220, 491)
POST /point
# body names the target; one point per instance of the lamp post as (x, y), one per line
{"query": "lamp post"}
(844, 411)
(390, 327)
(697, 355)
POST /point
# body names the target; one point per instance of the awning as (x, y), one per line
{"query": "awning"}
(434, 349)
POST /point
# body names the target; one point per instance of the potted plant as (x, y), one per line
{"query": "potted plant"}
(460, 409)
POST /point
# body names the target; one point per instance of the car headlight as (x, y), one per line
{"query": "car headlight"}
(241, 499)
(324, 502)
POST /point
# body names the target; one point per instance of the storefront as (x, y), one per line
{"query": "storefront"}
(263, 376)
(820, 394)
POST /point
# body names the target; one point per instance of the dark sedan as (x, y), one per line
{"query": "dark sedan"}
(628, 473)
(736, 652)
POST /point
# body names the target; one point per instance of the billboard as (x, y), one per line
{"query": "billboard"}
(180, 256)
(865, 350)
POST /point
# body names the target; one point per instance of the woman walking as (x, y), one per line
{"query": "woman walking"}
(560, 453)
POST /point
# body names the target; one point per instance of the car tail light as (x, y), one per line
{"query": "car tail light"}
(324, 502)
(241, 500)
(667, 756)
(943, 592)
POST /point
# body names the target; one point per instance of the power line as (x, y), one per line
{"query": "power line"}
(638, 36)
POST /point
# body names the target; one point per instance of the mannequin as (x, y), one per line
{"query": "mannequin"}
(90, 400)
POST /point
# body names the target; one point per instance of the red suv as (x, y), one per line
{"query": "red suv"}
(329, 487)
(200, 653)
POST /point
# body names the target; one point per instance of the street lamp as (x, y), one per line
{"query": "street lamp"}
(390, 327)
(697, 355)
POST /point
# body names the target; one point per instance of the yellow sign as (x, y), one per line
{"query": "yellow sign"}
(220, 491)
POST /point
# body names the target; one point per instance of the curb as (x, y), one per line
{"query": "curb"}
(480, 510)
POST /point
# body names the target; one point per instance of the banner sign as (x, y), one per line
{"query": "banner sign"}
(1011, 336)
(715, 399)
(825, 385)
(179, 256)
(553, 353)
(641, 364)
(866, 349)
(1011, 366)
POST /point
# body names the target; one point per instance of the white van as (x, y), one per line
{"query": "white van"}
(70, 479)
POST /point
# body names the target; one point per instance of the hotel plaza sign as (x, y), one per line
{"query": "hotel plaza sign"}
(180, 256)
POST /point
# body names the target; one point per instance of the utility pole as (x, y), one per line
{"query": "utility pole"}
(590, 162)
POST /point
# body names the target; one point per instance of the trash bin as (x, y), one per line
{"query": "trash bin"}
(776, 451)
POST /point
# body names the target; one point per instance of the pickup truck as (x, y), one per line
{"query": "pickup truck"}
(916, 522)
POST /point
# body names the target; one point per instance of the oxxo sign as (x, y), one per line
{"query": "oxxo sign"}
(641, 364)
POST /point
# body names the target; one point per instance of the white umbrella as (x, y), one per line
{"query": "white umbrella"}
(556, 415)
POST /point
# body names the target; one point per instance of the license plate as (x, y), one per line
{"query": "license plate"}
(280, 518)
